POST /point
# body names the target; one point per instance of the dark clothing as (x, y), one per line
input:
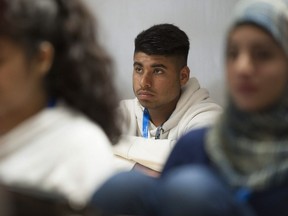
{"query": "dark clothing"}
(189, 185)
(190, 150)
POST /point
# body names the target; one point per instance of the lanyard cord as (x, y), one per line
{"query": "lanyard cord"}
(145, 123)
(243, 194)
(51, 103)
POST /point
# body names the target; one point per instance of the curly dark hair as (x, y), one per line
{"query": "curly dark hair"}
(163, 39)
(81, 71)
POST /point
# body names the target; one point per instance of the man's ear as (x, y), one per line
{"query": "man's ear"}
(44, 58)
(184, 75)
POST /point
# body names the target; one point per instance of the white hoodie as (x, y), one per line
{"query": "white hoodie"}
(194, 109)
(58, 150)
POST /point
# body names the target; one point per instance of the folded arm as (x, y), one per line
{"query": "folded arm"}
(150, 153)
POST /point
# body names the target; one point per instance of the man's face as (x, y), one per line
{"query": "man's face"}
(157, 80)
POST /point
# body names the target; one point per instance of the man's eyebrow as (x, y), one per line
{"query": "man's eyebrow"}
(153, 65)
(137, 64)
(159, 65)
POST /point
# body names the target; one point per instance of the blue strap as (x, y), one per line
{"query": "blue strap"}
(145, 123)
(51, 102)
(243, 194)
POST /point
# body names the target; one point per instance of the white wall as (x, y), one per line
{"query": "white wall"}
(204, 21)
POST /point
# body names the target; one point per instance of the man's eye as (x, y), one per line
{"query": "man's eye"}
(138, 69)
(158, 71)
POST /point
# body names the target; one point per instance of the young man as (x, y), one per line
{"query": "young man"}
(168, 103)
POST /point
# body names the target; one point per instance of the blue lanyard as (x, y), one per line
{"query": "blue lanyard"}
(243, 194)
(51, 102)
(145, 123)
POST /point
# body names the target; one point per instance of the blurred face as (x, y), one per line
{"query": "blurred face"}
(157, 80)
(257, 68)
(21, 85)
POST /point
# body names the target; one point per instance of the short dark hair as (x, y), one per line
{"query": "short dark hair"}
(81, 73)
(163, 39)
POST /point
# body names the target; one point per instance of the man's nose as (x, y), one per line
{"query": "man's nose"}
(146, 80)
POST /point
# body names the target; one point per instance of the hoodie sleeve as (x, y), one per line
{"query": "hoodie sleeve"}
(148, 152)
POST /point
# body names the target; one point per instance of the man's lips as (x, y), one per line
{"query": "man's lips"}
(143, 94)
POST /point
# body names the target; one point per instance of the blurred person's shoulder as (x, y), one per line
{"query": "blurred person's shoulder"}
(77, 126)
